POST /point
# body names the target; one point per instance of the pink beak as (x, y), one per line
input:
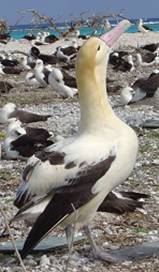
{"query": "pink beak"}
(113, 35)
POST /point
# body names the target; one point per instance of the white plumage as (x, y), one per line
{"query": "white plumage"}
(31, 81)
(126, 95)
(80, 171)
(56, 82)
(5, 111)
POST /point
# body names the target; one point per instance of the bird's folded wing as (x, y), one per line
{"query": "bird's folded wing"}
(76, 193)
(52, 169)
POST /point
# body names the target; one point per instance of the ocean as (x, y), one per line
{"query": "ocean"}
(18, 32)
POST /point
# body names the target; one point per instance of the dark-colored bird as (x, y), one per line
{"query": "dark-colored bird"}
(29, 37)
(47, 59)
(10, 110)
(145, 87)
(11, 70)
(152, 47)
(11, 63)
(69, 80)
(51, 38)
(28, 117)
(35, 139)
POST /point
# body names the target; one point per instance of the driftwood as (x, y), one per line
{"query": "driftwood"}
(46, 245)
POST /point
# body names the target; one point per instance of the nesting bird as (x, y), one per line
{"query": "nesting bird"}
(65, 54)
(119, 63)
(57, 83)
(47, 59)
(24, 142)
(10, 70)
(31, 81)
(147, 60)
(142, 88)
(143, 28)
(126, 95)
(80, 171)
(152, 47)
(145, 87)
(10, 110)
(41, 73)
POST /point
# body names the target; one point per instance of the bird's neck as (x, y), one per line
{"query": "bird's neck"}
(96, 111)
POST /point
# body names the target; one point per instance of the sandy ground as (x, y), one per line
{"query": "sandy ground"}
(127, 39)
(110, 231)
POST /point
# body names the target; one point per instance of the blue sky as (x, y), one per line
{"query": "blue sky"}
(64, 8)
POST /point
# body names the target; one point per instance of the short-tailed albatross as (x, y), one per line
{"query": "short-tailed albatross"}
(77, 173)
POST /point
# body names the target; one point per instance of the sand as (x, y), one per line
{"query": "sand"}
(127, 40)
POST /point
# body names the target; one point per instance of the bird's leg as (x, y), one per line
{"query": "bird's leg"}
(70, 233)
(99, 254)
(70, 237)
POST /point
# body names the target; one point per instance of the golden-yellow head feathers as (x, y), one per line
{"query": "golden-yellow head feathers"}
(91, 53)
(95, 50)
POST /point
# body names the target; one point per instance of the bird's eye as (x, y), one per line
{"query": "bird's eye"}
(98, 48)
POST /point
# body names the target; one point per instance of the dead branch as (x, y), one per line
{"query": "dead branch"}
(12, 240)
(43, 19)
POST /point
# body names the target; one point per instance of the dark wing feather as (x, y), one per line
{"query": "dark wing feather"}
(66, 199)
(69, 80)
(128, 202)
(27, 146)
(7, 62)
(147, 85)
(46, 75)
(51, 38)
(150, 47)
(149, 57)
(147, 27)
(48, 59)
(28, 117)
(134, 195)
(35, 52)
(12, 70)
(39, 134)
(69, 50)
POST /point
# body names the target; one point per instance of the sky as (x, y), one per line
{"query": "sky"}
(65, 8)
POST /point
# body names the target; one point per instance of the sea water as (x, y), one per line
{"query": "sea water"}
(18, 32)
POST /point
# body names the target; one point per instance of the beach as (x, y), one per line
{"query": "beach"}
(127, 40)
(110, 231)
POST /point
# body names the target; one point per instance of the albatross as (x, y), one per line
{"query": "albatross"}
(143, 28)
(24, 142)
(57, 82)
(10, 110)
(72, 177)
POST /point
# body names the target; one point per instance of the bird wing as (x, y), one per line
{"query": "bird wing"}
(39, 134)
(69, 80)
(28, 117)
(46, 75)
(122, 202)
(147, 27)
(53, 168)
(67, 198)
(139, 95)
